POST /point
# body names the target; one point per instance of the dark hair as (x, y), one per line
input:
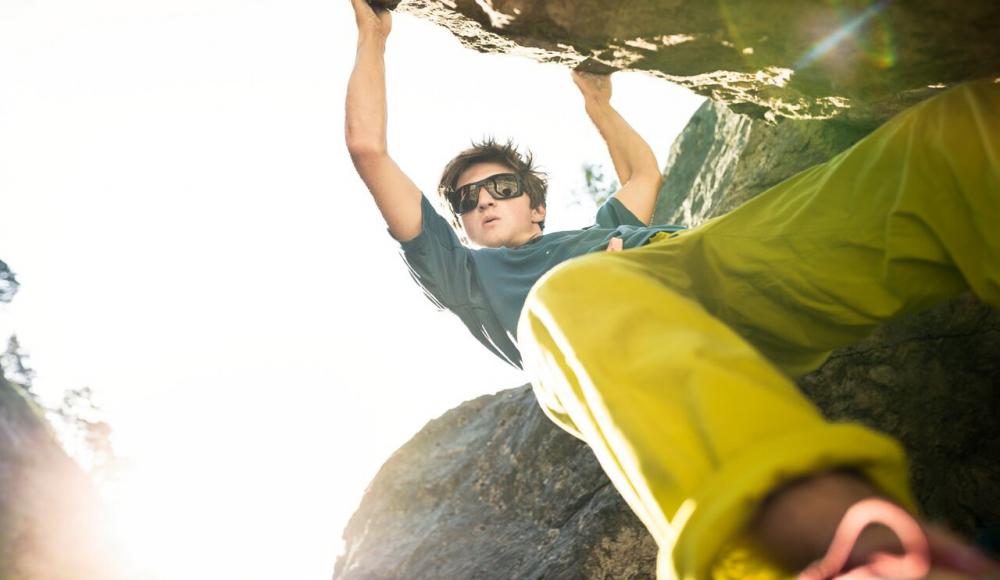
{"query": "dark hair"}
(489, 151)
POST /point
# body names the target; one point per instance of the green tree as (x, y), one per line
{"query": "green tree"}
(598, 183)
(77, 419)
(15, 366)
(8, 283)
(88, 433)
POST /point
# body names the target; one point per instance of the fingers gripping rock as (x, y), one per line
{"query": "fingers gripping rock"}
(383, 4)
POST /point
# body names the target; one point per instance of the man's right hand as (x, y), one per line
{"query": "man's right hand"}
(372, 22)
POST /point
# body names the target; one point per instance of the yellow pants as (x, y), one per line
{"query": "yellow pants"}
(673, 361)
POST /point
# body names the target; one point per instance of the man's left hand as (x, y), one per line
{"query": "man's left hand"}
(594, 87)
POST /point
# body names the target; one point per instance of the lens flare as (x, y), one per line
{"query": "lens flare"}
(877, 46)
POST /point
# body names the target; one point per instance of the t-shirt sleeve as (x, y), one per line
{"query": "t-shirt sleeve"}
(439, 263)
(613, 213)
(443, 267)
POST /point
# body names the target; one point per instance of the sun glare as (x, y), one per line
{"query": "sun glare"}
(194, 244)
(138, 522)
(881, 54)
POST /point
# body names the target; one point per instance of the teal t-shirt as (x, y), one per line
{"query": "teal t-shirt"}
(486, 288)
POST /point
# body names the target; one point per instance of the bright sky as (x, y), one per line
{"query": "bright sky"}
(193, 244)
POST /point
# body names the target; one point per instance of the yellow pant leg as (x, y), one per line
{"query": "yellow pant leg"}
(691, 424)
(907, 217)
(654, 356)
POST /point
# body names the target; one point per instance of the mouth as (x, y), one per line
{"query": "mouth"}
(491, 219)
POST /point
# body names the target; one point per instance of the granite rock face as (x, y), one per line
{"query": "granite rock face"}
(493, 490)
(51, 525)
(863, 59)
(722, 159)
(933, 381)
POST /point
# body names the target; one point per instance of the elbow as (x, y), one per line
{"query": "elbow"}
(361, 140)
(657, 180)
(648, 180)
(655, 177)
(364, 149)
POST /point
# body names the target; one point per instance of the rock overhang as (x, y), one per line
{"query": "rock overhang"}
(861, 60)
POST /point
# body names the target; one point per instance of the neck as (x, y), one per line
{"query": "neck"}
(533, 235)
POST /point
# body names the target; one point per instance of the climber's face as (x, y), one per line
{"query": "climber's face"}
(499, 223)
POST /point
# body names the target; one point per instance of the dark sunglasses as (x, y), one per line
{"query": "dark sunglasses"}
(501, 186)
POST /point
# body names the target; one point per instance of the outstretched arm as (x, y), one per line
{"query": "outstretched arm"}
(397, 197)
(633, 159)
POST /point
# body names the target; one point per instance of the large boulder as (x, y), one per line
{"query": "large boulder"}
(493, 490)
(932, 381)
(808, 59)
(722, 159)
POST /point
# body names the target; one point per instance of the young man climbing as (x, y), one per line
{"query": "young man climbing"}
(672, 359)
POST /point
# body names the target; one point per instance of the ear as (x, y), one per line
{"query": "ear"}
(538, 214)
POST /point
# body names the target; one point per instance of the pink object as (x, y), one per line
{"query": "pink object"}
(915, 562)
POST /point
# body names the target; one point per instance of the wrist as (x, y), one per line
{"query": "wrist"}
(600, 113)
(369, 38)
(597, 106)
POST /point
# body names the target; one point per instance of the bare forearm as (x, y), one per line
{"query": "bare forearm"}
(395, 194)
(629, 152)
(634, 160)
(365, 127)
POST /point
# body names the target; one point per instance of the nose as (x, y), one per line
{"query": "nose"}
(485, 199)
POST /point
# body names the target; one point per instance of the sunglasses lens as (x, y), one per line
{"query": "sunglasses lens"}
(466, 198)
(505, 186)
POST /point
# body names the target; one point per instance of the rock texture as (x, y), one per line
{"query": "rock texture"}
(933, 381)
(50, 520)
(493, 490)
(862, 59)
(722, 159)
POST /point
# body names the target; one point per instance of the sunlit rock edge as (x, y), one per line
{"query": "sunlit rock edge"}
(862, 61)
